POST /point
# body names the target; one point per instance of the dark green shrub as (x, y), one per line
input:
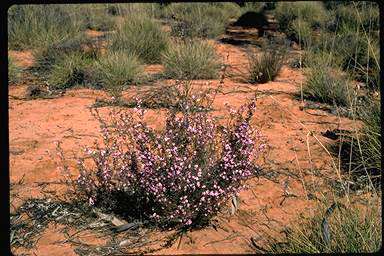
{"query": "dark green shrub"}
(141, 36)
(191, 60)
(31, 26)
(117, 70)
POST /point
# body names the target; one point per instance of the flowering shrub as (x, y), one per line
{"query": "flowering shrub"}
(178, 177)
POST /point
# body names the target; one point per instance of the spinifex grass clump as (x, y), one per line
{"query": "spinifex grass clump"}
(179, 177)
(71, 70)
(327, 86)
(32, 26)
(266, 67)
(142, 36)
(117, 70)
(191, 59)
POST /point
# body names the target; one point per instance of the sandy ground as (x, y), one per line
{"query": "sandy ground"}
(296, 162)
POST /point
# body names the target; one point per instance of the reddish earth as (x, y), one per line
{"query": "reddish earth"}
(296, 162)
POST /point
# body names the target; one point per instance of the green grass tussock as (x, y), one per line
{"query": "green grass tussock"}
(265, 67)
(191, 59)
(69, 71)
(141, 36)
(117, 70)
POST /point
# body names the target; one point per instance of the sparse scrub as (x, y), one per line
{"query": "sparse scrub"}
(265, 67)
(117, 70)
(141, 36)
(326, 86)
(31, 26)
(191, 60)
(178, 177)
(13, 72)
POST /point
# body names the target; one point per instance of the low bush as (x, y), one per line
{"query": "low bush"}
(191, 60)
(13, 72)
(265, 67)
(178, 177)
(142, 36)
(31, 26)
(117, 70)
(70, 71)
(326, 86)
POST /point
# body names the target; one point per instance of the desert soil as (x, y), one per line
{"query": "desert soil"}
(295, 168)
